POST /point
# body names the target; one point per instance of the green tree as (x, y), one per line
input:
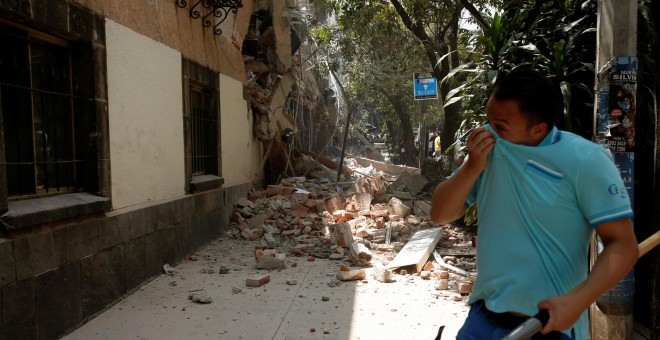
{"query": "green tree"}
(554, 37)
(435, 28)
(376, 63)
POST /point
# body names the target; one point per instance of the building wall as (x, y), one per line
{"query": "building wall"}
(163, 21)
(53, 279)
(145, 102)
(240, 150)
(61, 265)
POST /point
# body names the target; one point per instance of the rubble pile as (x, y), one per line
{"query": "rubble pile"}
(307, 213)
(376, 214)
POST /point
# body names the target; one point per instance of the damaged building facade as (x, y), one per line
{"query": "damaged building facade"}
(130, 130)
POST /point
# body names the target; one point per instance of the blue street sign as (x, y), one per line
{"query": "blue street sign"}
(426, 86)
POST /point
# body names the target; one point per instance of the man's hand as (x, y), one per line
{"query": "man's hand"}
(448, 201)
(478, 145)
(620, 252)
(563, 313)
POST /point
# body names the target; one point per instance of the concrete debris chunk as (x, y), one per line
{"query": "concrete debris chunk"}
(251, 234)
(270, 241)
(441, 284)
(382, 274)
(200, 297)
(380, 213)
(168, 270)
(396, 207)
(372, 186)
(351, 275)
(362, 232)
(341, 234)
(359, 254)
(258, 220)
(357, 222)
(414, 183)
(404, 195)
(244, 202)
(422, 208)
(357, 202)
(270, 263)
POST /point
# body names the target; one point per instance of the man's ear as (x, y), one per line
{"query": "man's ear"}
(540, 130)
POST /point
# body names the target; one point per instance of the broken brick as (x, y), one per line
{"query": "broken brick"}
(465, 287)
(257, 280)
(333, 203)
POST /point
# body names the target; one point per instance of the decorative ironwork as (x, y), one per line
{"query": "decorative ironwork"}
(212, 12)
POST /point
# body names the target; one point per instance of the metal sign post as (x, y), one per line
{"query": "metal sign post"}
(426, 86)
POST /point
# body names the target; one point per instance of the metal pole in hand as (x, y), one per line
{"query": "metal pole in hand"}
(534, 324)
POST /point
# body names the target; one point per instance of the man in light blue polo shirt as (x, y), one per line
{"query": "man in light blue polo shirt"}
(541, 193)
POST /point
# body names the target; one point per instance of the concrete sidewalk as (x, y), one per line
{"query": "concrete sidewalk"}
(299, 302)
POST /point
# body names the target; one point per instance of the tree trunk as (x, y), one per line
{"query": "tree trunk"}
(436, 47)
(452, 112)
(407, 137)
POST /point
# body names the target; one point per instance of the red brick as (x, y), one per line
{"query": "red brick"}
(257, 280)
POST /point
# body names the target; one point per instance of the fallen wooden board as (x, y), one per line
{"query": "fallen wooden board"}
(417, 250)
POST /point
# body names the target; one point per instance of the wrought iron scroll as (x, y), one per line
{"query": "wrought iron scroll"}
(212, 12)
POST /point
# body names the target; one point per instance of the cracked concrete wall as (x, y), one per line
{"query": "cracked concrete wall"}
(280, 119)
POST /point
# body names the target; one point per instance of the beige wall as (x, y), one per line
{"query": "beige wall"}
(165, 22)
(240, 150)
(145, 118)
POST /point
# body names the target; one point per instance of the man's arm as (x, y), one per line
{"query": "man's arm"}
(448, 202)
(619, 255)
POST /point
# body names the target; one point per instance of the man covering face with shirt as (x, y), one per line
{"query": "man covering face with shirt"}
(540, 195)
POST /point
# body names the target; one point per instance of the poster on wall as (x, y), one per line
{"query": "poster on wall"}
(616, 114)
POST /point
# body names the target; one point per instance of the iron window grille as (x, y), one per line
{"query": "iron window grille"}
(204, 130)
(47, 126)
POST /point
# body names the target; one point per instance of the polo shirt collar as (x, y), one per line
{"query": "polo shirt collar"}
(551, 138)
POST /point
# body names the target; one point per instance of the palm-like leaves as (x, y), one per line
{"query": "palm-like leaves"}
(556, 40)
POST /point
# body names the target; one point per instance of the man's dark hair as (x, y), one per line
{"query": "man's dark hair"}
(536, 95)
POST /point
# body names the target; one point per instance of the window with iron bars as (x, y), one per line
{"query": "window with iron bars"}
(201, 118)
(203, 130)
(46, 94)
